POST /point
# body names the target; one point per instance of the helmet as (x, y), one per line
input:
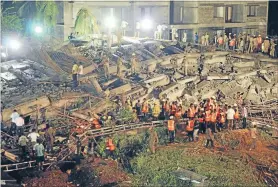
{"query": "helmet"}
(133, 54)
(109, 117)
(171, 117)
(213, 97)
(235, 104)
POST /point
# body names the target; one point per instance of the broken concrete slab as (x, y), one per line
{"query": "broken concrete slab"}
(121, 89)
(244, 64)
(226, 77)
(214, 60)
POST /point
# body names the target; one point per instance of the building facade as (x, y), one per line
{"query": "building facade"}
(190, 17)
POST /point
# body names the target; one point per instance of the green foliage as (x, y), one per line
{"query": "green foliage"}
(126, 114)
(84, 22)
(11, 23)
(156, 170)
(47, 12)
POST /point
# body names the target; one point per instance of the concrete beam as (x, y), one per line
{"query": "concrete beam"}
(226, 77)
(120, 90)
(96, 85)
(214, 60)
(244, 64)
(187, 80)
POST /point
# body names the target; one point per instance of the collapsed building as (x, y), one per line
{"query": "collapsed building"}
(42, 90)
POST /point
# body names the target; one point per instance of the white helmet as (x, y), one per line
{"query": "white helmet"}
(171, 117)
(213, 97)
(133, 54)
(235, 104)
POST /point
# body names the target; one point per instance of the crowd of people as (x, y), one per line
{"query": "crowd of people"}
(32, 145)
(207, 117)
(243, 42)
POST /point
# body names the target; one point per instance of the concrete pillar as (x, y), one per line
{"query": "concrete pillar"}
(68, 19)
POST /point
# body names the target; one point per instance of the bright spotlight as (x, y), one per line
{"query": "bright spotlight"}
(38, 29)
(110, 22)
(14, 44)
(4, 55)
(146, 24)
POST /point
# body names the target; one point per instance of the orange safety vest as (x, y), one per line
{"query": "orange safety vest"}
(171, 125)
(191, 112)
(145, 108)
(208, 116)
(96, 124)
(233, 42)
(222, 118)
(260, 40)
(236, 116)
(190, 126)
(220, 40)
(213, 117)
(110, 145)
(201, 120)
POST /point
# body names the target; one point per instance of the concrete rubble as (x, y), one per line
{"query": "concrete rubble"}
(30, 86)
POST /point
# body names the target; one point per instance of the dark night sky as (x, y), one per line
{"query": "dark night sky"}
(273, 18)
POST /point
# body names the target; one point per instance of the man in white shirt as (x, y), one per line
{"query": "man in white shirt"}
(19, 125)
(14, 115)
(230, 117)
(244, 115)
(33, 136)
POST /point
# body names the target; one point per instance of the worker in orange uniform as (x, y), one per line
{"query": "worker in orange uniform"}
(178, 116)
(166, 108)
(110, 148)
(96, 124)
(173, 108)
(171, 129)
(191, 111)
(213, 120)
(232, 44)
(221, 120)
(236, 119)
(207, 118)
(145, 109)
(190, 129)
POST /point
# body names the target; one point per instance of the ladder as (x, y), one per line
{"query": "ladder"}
(20, 166)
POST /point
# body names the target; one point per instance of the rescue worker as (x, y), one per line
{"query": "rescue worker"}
(220, 41)
(244, 115)
(255, 42)
(251, 45)
(207, 118)
(196, 38)
(247, 43)
(110, 148)
(178, 116)
(226, 42)
(209, 136)
(190, 129)
(241, 45)
(201, 121)
(184, 66)
(203, 39)
(196, 128)
(156, 111)
(153, 140)
(74, 75)
(191, 111)
(96, 123)
(272, 49)
(49, 137)
(239, 37)
(232, 44)
(145, 108)
(230, 117)
(259, 41)
(171, 129)
(138, 108)
(266, 45)
(134, 62)
(206, 39)
(119, 67)
(166, 109)
(213, 120)
(105, 63)
(221, 120)
(236, 119)
(173, 108)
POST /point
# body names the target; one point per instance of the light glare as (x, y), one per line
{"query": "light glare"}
(14, 44)
(38, 29)
(146, 24)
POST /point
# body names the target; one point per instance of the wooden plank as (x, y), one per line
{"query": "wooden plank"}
(10, 156)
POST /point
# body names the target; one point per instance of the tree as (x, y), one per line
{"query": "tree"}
(10, 22)
(84, 23)
(47, 12)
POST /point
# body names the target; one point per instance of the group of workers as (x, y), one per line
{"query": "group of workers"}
(32, 145)
(207, 117)
(243, 42)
